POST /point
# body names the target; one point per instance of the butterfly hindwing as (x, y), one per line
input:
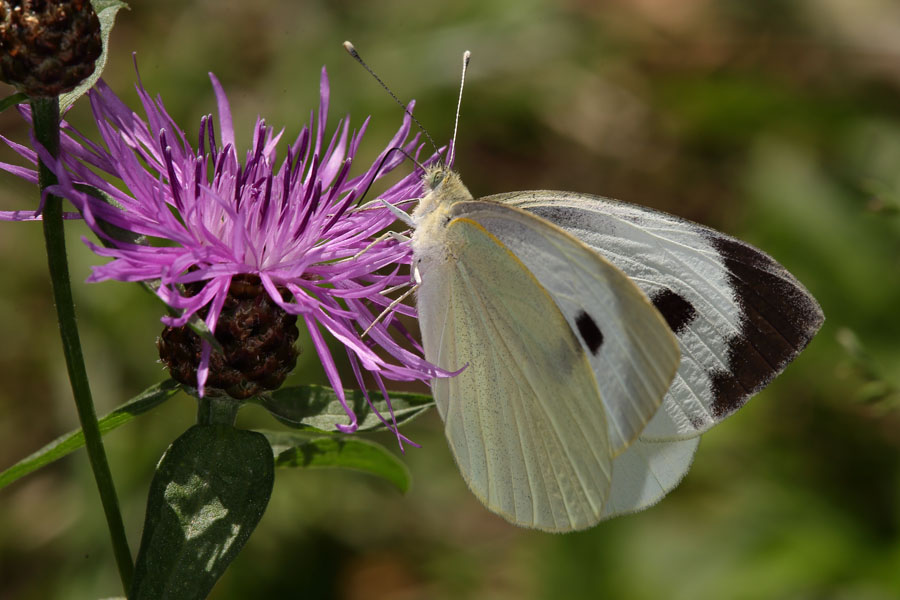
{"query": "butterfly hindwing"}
(524, 419)
(739, 316)
(632, 352)
(646, 472)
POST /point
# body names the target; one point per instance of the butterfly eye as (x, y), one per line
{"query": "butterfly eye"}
(434, 179)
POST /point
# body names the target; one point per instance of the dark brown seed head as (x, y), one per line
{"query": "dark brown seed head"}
(256, 334)
(48, 47)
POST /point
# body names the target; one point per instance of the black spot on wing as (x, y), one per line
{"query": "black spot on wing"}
(589, 331)
(778, 319)
(677, 311)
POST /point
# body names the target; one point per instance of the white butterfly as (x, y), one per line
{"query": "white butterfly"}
(577, 316)
(600, 339)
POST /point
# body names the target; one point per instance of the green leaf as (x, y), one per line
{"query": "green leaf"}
(208, 494)
(15, 99)
(295, 449)
(106, 12)
(68, 443)
(317, 407)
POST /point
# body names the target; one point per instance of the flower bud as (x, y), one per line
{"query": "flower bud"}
(48, 47)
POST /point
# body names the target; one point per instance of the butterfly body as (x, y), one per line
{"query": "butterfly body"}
(599, 339)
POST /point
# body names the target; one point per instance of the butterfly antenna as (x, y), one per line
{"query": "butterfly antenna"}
(381, 164)
(352, 51)
(466, 56)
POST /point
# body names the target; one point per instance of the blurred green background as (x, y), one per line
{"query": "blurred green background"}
(777, 121)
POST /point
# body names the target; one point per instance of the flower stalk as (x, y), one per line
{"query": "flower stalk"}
(213, 409)
(46, 128)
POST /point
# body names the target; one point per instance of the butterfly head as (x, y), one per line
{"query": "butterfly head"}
(434, 177)
(442, 188)
(445, 183)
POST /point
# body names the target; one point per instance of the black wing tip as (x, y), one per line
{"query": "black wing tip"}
(779, 319)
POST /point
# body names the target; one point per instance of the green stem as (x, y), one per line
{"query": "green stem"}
(217, 410)
(45, 112)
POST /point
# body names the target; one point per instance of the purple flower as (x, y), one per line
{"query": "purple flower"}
(292, 223)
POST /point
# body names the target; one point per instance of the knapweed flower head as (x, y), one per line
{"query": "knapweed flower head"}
(253, 242)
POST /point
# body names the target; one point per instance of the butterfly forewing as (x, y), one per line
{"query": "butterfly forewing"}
(631, 350)
(739, 316)
(524, 420)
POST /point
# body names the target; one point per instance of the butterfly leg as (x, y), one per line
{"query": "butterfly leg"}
(390, 308)
(400, 214)
(389, 235)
